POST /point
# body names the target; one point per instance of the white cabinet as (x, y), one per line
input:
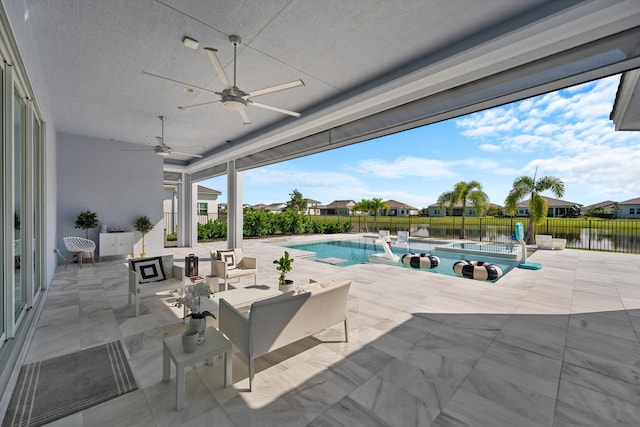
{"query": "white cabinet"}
(116, 243)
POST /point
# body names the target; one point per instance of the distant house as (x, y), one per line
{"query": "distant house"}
(338, 207)
(605, 209)
(630, 208)
(435, 211)
(276, 207)
(313, 207)
(259, 207)
(557, 208)
(206, 206)
(399, 209)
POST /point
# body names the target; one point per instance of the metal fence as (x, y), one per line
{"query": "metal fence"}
(590, 234)
(617, 235)
(171, 221)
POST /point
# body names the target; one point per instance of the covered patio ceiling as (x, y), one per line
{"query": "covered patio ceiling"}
(370, 68)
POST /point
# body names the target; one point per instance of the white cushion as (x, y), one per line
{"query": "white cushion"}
(229, 258)
(149, 269)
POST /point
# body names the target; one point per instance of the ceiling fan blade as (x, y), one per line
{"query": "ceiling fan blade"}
(186, 154)
(199, 147)
(278, 109)
(245, 117)
(136, 149)
(276, 88)
(186, 107)
(213, 56)
(189, 85)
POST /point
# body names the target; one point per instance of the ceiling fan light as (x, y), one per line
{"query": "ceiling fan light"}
(164, 154)
(234, 104)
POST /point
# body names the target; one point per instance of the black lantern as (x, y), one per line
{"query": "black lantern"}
(191, 265)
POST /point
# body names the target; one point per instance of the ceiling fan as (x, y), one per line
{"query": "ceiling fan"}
(232, 97)
(164, 150)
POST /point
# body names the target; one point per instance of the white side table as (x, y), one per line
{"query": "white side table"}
(214, 343)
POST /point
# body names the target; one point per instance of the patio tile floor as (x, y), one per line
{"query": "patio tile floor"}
(554, 347)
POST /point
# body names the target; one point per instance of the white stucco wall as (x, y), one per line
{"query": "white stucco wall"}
(119, 186)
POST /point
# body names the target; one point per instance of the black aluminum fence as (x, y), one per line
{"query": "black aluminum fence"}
(602, 235)
(616, 235)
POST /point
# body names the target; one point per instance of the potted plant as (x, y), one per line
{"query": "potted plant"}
(143, 225)
(284, 267)
(191, 300)
(85, 221)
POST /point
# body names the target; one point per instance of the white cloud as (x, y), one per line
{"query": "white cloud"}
(404, 167)
(492, 148)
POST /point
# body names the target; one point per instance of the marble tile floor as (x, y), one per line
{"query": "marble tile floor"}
(555, 347)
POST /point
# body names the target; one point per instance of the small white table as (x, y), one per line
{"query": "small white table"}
(214, 343)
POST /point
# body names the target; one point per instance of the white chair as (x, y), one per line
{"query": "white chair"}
(383, 233)
(231, 264)
(403, 239)
(79, 246)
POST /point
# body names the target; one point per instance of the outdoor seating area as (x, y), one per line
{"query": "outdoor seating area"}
(554, 347)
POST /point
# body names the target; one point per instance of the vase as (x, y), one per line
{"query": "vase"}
(190, 340)
(198, 324)
(287, 286)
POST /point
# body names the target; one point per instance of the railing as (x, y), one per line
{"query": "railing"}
(171, 221)
(590, 234)
(617, 235)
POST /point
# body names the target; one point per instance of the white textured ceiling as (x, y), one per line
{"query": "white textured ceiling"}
(356, 57)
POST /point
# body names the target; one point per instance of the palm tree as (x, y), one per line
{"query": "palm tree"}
(363, 205)
(464, 192)
(526, 186)
(376, 206)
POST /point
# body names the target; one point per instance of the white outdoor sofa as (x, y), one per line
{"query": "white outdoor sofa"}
(147, 272)
(278, 321)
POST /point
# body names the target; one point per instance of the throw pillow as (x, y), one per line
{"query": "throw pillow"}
(229, 258)
(149, 269)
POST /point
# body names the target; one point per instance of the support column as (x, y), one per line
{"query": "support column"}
(234, 206)
(187, 221)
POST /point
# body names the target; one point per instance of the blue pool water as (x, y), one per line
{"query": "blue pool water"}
(357, 251)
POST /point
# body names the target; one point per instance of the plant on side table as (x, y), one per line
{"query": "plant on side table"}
(143, 225)
(284, 266)
(191, 300)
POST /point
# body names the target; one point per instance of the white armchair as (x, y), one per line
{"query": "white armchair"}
(79, 246)
(147, 276)
(231, 264)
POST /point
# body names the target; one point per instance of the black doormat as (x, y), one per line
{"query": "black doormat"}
(54, 388)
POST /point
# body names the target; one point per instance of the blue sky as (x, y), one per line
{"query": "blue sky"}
(566, 134)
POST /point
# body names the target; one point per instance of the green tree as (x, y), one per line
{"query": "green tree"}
(297, 203)
(363, 205)
(376, 206)
(464, 192)
(524, 186)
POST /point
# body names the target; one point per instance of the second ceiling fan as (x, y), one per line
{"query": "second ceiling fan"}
(232, 97)
(163, 150)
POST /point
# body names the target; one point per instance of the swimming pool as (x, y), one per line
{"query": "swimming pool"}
(357, 251)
